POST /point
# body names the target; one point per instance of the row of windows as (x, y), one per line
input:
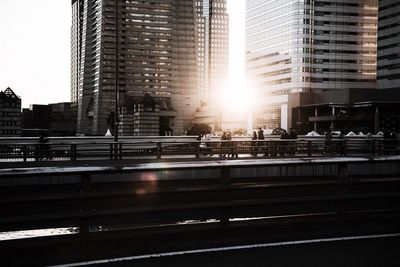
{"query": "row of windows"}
(318, 80)
(390, 26)
(389, 5)
(10, 123)
(390, 46)
(10, 132)
(389, 77)
(390, 16)
(389, 67)
(388, 36)
(389, 57)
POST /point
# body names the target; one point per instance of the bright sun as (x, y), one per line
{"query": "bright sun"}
(236, 98)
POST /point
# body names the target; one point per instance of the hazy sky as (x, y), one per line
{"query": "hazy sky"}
(35, 48)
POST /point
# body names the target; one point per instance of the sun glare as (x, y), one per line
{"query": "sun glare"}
(236, 98)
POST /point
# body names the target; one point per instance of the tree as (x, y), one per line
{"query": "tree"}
(199, 128)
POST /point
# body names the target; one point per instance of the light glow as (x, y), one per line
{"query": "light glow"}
(236, 98)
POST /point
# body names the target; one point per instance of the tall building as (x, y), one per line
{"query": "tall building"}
(389, 44)
(10, 113)
(157, 52)
(307, 46)
(76, 41)
(212, 29)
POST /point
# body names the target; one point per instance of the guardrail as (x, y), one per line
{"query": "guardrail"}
(94, 198)
(120, 211)
(270, 148)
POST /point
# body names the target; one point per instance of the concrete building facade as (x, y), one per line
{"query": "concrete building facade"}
(212, 32)
(10, 113)
(307, 46)
(156, 52)
(389, 44)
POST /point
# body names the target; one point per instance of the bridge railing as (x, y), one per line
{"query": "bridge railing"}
(270, 148)
(95, 198)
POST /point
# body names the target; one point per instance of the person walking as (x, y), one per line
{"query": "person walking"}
(223, 144)
(254, 144)
(208, 143)
(293, 144)
(283, 144)
(230, 145)
(260, 136)
(328, 141)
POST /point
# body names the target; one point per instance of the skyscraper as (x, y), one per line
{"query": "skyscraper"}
(157, 53)
(212, 39)
(389, 44)
(307, 46)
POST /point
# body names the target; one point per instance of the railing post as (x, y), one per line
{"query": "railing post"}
(309, 147)
(373, 147)
(111, 152)
(119, 150)
(235, 149)
(37, 152)
(225, 184)
(343, 178)
(116, 151)
(158, 150)
(197, 150)
(73, 152)
(86, 188)
(344, 148)
(24, 152)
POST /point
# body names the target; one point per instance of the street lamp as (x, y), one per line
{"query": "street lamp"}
(116, 117)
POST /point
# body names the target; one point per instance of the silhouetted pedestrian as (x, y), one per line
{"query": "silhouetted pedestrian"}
(254, 144)
(328, 141)
(260, 136)
(230, 145)
(283, 144)
(223, 144)
(293, 145)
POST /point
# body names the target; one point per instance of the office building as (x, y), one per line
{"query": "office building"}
(10, 113)
(356, 110)
(307, 46)
(58, 119)
(156, 53)
(389, 44)
(212, 30)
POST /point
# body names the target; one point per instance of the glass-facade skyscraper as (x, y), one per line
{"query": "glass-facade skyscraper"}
(158, 51)
(389, 44)
(307, 45)
(213, 33)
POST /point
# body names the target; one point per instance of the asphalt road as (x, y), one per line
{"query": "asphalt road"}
(365, 252)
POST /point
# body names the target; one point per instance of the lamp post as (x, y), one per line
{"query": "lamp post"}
(116, 117)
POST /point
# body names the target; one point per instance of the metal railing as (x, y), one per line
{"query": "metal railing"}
(95, 198)
(270, 148)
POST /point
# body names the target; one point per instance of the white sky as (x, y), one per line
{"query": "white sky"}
(35, 48)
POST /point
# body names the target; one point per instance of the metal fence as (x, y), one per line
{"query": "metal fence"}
(270, 148)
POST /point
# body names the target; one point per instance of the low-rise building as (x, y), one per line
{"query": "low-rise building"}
(57, 119)
(10, 113)
(357, 110)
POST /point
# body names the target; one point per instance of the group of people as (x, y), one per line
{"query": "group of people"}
(283, 148)
(227, 146)
(333, 147)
